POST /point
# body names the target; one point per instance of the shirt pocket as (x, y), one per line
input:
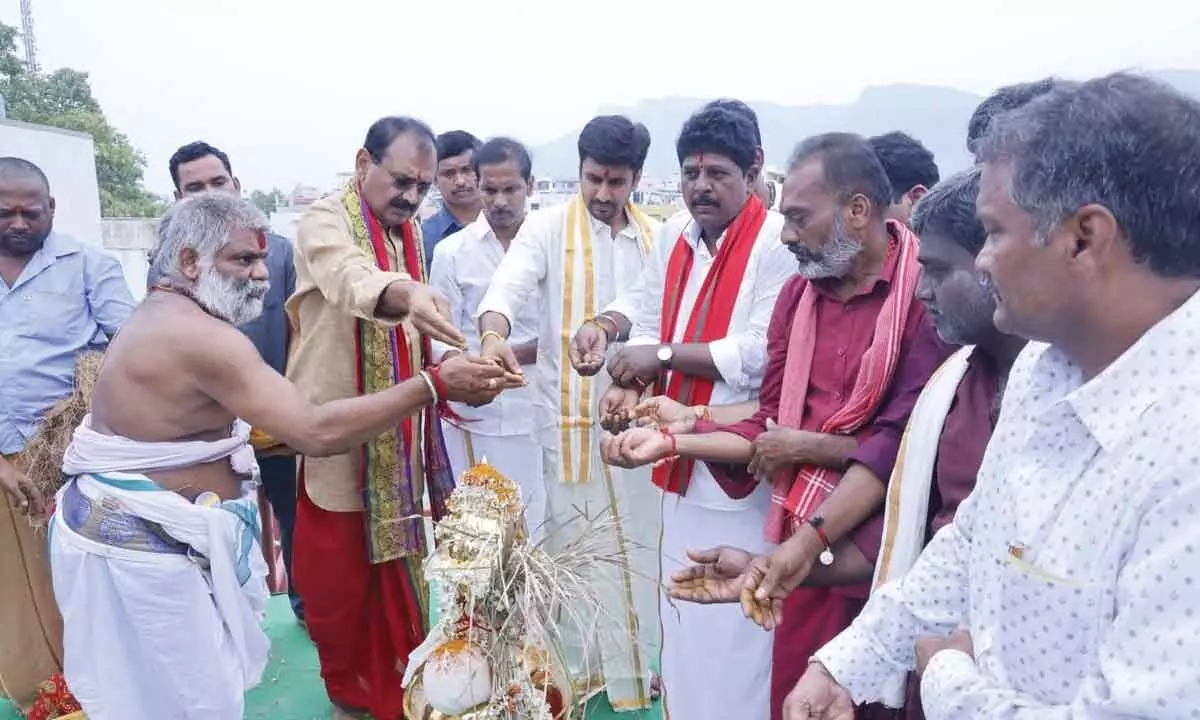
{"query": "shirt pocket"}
(51, 314)
(1049, 629)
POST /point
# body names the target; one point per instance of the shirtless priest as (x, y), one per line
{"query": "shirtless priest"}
(154, 540)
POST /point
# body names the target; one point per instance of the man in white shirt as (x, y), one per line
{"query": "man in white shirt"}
(567, 263)
(696, 322)
(1066, 585)
(462, 269)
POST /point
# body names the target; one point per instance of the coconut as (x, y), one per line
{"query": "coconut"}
(457, 677)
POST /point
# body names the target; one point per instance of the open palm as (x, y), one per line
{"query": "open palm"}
(715, 577)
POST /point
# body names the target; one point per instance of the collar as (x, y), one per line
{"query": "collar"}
(57, 246)
(630, 231)
(692, 231)
(1112, 404)
(479, 228)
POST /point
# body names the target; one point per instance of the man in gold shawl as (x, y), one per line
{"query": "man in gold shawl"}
(362, 321)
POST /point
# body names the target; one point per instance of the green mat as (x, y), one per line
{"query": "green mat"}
(291, 688)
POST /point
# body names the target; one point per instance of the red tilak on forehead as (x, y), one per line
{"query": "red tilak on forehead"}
(262, 241)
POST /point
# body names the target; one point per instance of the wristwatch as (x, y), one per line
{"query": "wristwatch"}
(665, 354)
(816, 522)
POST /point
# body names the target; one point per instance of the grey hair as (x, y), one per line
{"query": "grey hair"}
(204, 223)
(1124, 142)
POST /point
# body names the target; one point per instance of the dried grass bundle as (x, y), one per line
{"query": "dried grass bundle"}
(540, 598)
(42, 459)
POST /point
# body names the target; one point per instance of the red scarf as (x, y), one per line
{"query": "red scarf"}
(799, 491)
(709, 319)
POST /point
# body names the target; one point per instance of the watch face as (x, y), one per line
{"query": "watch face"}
(665, 353)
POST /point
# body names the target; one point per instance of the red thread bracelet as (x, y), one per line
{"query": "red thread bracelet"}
(441, 404)
(439, 385)
(674, 444)
(821, 534)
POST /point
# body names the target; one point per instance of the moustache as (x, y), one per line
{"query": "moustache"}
(706, 202)
(803, 254)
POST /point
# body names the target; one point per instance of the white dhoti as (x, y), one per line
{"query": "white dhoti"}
(716, 664)
(614, 651)
(517, 457)
(161, 600)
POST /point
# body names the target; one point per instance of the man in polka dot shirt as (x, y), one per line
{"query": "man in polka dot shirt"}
(1066, 586)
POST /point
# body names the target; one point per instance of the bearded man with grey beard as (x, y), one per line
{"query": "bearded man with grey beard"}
(154, 542)
(848, 351)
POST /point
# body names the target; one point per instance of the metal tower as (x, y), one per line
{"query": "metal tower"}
(27, 37)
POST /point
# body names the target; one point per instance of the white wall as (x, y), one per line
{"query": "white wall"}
(69, 161)
(131, 239)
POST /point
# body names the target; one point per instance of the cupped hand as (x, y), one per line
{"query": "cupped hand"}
(636, 447)
(501, 353)
(661, 411)
(773, 576)
(616, 408)
(473, 380)
(715, 576)
(587, 348)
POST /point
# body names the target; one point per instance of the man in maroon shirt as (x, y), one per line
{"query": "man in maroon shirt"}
(848, 353)
(961, 308)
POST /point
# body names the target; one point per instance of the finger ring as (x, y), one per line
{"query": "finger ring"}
(492, 384)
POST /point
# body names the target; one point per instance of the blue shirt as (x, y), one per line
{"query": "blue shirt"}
(270, 332)
(71, 297)
(438, 227)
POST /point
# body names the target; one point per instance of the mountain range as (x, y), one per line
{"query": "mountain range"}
(937, 116)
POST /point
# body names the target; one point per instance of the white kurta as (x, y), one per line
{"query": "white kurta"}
(503, 431)
(711, 653)
(1099, 483)
(534, 273)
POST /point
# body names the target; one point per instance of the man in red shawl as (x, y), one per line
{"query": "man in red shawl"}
(848, 351)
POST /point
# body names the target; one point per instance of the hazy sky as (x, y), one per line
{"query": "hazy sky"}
(289, 88)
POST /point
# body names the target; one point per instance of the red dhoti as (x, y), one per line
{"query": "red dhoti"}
(364, 618)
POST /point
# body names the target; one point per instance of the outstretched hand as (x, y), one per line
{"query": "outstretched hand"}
(662, 412)
(716, 576)
(474, 380)
(429, 311)
(636, 447)
(498, 351)
(616, 408)
(587, 348)
(772, 577)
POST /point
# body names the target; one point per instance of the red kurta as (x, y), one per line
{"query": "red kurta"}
(965, 436)
(813, 616)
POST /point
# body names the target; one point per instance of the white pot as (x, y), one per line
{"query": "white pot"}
(457, 678)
